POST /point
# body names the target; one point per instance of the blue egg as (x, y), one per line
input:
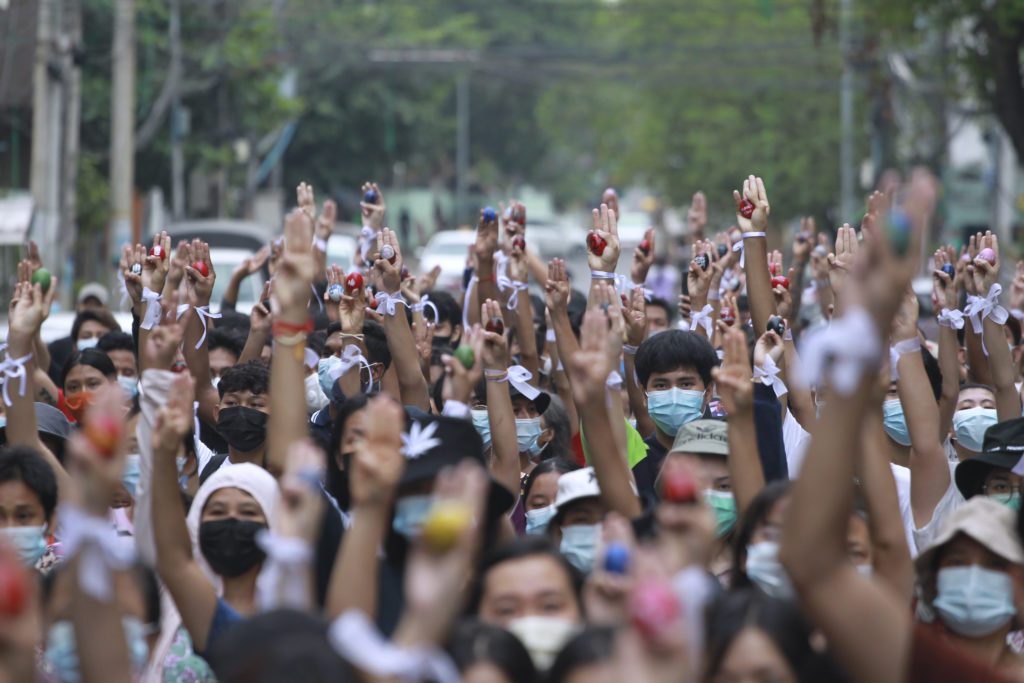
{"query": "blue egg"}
(490, 215)
(616, 558)
(948, 269)
(371, 197)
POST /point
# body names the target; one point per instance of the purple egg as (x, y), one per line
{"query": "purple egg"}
(988, 255)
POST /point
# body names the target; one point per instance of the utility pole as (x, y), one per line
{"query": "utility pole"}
(846, 85)
(461, 145)
(46, 138)
(177, 117)
(69, 164)
(122, 127)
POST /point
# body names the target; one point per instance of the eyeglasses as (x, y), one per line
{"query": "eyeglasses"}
(1000, 487)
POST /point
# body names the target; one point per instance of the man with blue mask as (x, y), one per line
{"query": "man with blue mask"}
(975, 413)
(28, 498)
(579, 512)
(673, 369)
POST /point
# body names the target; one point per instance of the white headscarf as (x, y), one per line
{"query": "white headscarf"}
(255, 481)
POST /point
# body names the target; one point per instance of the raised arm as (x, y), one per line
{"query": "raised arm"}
(505, 447)
(249, 266)
(803, 244)
(200, 277)
(486, 244)
(290, 300)
(636, 328)
(945, 291)
(737, 393)
(557, 300)
(261, 322)
(752, 210)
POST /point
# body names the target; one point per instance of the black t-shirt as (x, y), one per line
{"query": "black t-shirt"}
(646, 471)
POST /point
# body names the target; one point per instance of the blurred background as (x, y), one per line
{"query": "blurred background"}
(121, 117)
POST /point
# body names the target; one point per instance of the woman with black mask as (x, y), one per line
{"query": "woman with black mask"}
(209, 563)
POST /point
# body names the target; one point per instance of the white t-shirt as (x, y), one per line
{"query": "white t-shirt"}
(950, 501)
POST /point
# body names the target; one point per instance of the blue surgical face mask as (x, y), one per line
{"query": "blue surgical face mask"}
(3, 421)
(29, 541)
(723, 503)
(537, 520)
(325, 368)
(579, 545)
(528, 431)
(894, 423)
(672, 408)
(83, 344)
(130, 478)
(62, 653)
(482, 423)
(764, 569)
(410, 512)
(970, 426)
(973, 601)
(130, 386)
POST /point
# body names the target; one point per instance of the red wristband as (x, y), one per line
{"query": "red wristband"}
(282, 327)
(486, 278)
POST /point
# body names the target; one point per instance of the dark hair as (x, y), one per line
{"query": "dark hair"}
(116, 341)
(755, 514)
(672, 350)
(594, 645)
(518, 549)
(560, 465)
(337, 479)
(93, 358)
(101, 316)
(556, 417)
(662, 304)
(252, 376)
(1015, 332)
(281, 645)
(472, 642)
(223, 339)
(977, 385)
(540, 323)
(779, 620)
(376, 343)
(25, 464)
(448, 310)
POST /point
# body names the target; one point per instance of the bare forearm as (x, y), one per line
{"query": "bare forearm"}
(354, 579)
(412, 385)
(644, 423)
(799, 398)
(796, 293)
(505, 464)
(919, 408)
(759, 290)
(170, 535)
(949, 368)
(745, 469)
(977, 364)
(1000, 365)
(287, 422)
(610, 465)
(230, 297)
(254, 344)
(523, 320)
(99, 637)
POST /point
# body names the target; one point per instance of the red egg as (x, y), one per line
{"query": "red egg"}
(728, 316)
(988, 255)
(158, 251)
(677, 486)
(645, 246)
(517, 213)
(353, 283)
(519, 242)
(104, 432)
(495, 325)
(202, 268)
(780, 281)
(746, 208)
(653, 608)
(774, 268)
(13, 590)
(596, 244)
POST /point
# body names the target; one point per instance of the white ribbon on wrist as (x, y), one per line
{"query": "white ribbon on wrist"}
(505, 283)
(204, 312)
(614, 380)
(702, 318)
(386, 302)
(152, 315)
(952, 318)
(102, 550)
(829, 355)
(182, 310)
(358, 641)
(900, 349)
(769, 376)
(281, 582)
(423, 305)
(14, 369)
(519, 377)
(739, 245)
(1017, 313)
(367, 236)
(978, 308)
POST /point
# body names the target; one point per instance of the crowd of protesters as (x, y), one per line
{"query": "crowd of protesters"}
(735, 470)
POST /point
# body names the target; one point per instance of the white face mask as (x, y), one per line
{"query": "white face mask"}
(543, 637)
(315, 397)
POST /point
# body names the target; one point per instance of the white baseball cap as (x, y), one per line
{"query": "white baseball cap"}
(575, 485)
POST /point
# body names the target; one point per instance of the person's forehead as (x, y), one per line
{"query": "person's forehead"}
(230, 494)
(523, 402)
(16, 492)
(1001, 473)
(526, 575)
(83, 371)
(243, 395)
(976, 394)
(681, 371)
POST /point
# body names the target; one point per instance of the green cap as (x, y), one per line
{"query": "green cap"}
(702, 437)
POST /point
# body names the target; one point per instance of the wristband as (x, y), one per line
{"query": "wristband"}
(15, 369)
(386, 303)
(284, 327)
(1017, 313)
(290, 339)
(601, 275)
(204, 312)
(424, 304)
(281, 582)
(980, 307)
(753, 234)
(345, 335)
(321, 244)
(152, 315)
(505, 283)
(629, 349)
(496, 375)
(769, 376)
(486, 278)
(951, 318)
(714, 295)
(901, 349)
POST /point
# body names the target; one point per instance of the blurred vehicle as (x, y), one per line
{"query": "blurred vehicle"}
(224, 263)
(448, 249)
(341, 251)
(231, 242)
(58, 325)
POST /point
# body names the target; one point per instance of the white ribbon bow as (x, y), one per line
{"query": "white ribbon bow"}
(898, 349)
(629, 286)
(14, 369)
(702, 318)
(386, 302)
(280, 583)
(152, 315)
(978, 308)
(520, 377)
(506, 283)
(204, 312)
(358, 641)
(424, 304)
(951, 317)
(182, 310)
(614, 380)
(743, 254)
(367, 235)
(769, 376)
(350, 357)
(829, 353)
(102, 550)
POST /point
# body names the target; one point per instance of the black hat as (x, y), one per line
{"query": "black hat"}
(1002, 449)
(51, 422)
(433, 442)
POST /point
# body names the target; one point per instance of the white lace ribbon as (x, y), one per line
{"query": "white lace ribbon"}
(14, 369)
(152, 315)
(769, 376)
(358, 641)
(898, 349)
(204, 312)
(281, 582)
(702, 318)
(831, 354)
(951, 317)
(102, 551)
(980, 307)
(386, 302)
(423, 305)
(505, 283)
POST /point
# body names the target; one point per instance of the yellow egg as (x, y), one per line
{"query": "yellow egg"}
(445, 525)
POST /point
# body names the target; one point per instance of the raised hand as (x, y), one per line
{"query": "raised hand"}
(423, 336)
(732, 378)
(698, 279)
(904, 325)
(175, 419)
(296, 270)
(753, 192)
(373, 214)
(494, 349)
(163, 340)
(306, 201)
(611, 198)
(377, 461)
(251, 265)
(390, 273)
(176, 262)
(982, 273)
(643, 259)
(697, 215)
(841, 262)
(590, 366)
(556, 288)
(155, 267)
(605, 238)
(606, 593)
(97, 468)
(783, 298)
(803, 241)
(260, 318)
(35, 261)
(1017, 288)
(200, 283)
(634, 314)
(945, 289)
(29, 308)
(325, 223)
(486, 238)
(459, 381)
(426, 282)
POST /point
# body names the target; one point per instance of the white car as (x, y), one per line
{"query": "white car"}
(225, 260)
(58, 325)
(341, 252)
(448, 249)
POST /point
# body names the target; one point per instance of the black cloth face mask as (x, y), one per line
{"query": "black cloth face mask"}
(229, 545)
(245, 429)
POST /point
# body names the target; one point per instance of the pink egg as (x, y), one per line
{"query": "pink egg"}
(988, 254)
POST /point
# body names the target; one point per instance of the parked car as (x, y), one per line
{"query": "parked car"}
(341, 251)
(58, 325)
(448, 249)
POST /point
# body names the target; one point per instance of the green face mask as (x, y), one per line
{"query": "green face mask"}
(724, 505)
(1010, 500)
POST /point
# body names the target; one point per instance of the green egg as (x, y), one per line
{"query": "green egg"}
(465, 355)
(42, 278)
